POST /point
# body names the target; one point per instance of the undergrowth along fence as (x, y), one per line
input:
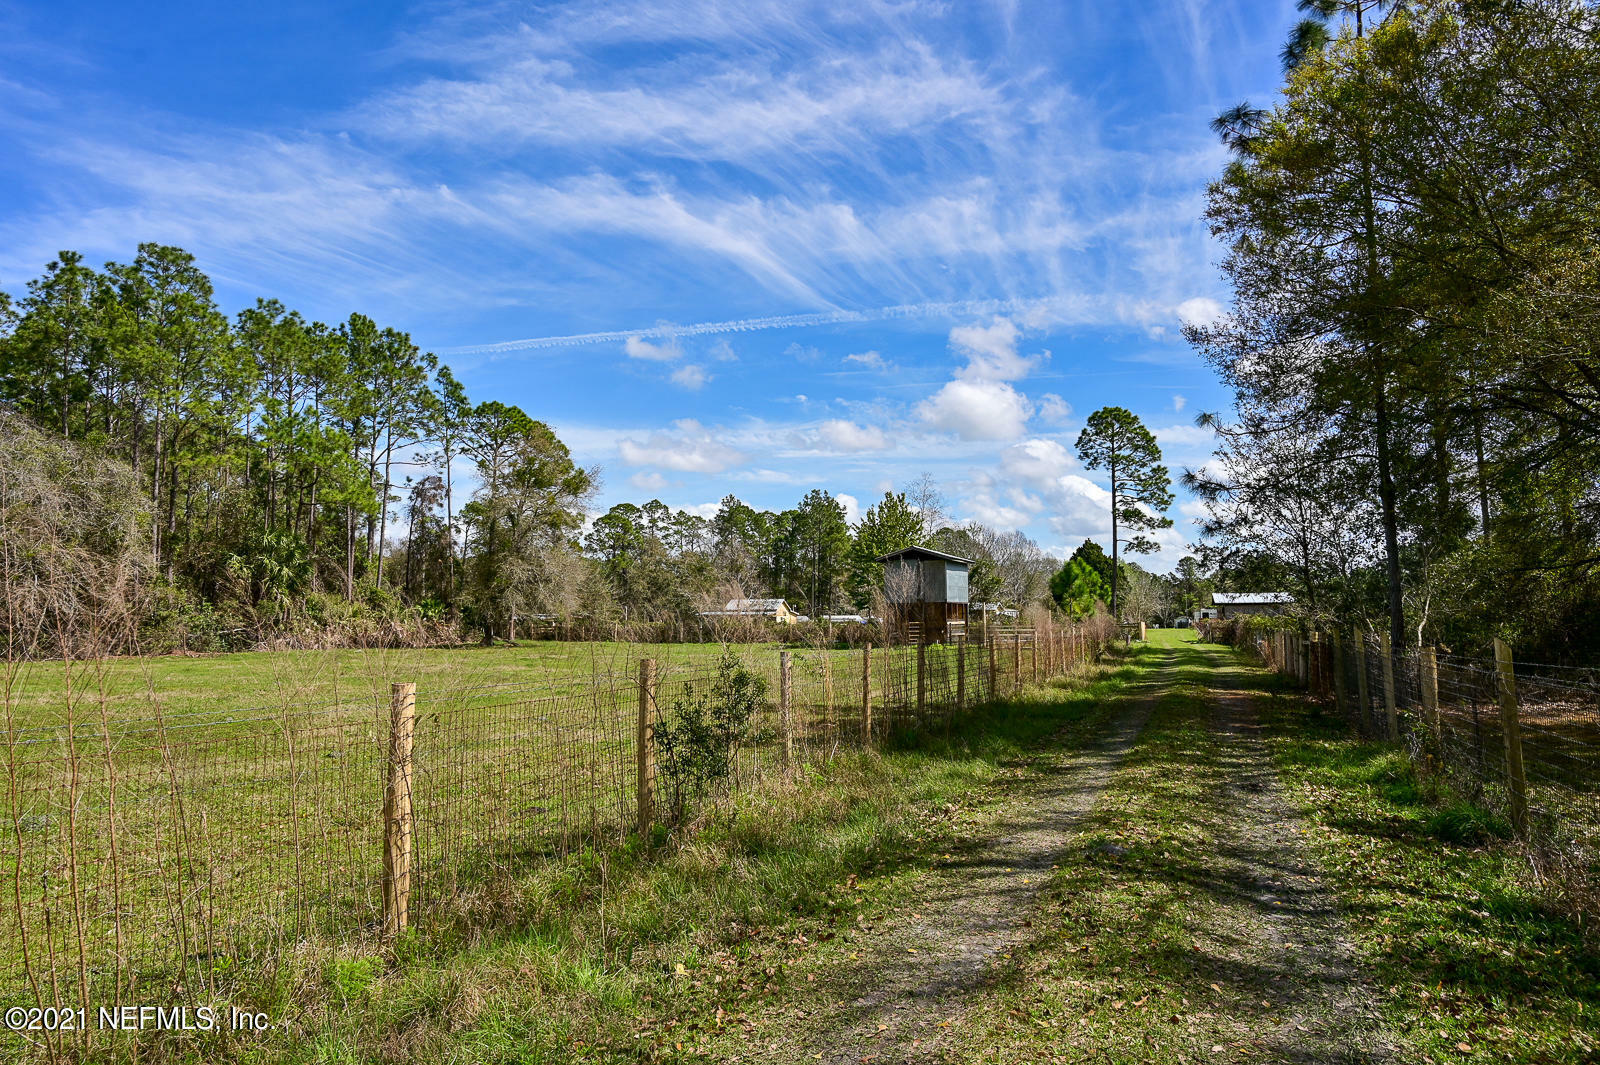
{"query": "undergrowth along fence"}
(187, 855)
(1519, 739)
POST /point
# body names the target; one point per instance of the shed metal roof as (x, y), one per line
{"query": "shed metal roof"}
(923, 552)
(1248, 598)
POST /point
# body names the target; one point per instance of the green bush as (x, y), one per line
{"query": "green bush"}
(696, 739)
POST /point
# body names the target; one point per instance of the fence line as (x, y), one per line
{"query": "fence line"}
(1520, 739)
(196, 851)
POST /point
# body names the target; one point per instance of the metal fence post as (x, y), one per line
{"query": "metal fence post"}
(866, 694)
(993, 675)
(961, 674)
(1389, 713)
(397, 820)
(922, 679)
(1016, 661)
(785, 711)
(1511, 727)
(646, 745)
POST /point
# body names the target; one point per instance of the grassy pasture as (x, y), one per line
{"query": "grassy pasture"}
(139, 687)
(185, 821)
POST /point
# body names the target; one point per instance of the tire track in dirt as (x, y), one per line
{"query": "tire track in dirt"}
(1289, 928)
(921, 967)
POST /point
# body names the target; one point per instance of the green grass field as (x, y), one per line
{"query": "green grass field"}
(138, 687)
(202, 815)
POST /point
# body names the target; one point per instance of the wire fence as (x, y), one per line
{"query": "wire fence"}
(1519, 739)
(190, 854)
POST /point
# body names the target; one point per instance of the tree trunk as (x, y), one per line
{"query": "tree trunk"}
(1114, 567)
(1483, 484)
(349, 554)
(450, 539)
(383, 502)
(1386, 492)
(1391, 523)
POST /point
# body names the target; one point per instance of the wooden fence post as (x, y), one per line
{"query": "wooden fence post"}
(646, 744)
(397, 821)
(1341, 696)
(1016, 661)
(1362, 701)
(1390, 716)
(1143, 634)
(1033, 655)
(1511, 727)
(785, 711)
(961, 674)
(1428, 666)
(1305, 661)
(866, 694)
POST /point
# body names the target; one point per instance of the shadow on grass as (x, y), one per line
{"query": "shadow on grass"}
(1457, 908)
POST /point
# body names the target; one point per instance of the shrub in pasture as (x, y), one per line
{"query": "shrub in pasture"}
(697, 738)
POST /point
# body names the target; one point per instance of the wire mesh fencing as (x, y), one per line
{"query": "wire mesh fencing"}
(191, 853)
(1519, 739)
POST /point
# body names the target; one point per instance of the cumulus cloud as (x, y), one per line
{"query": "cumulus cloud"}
(639, 348)
(689, 447)
(1079, 508)
(692, 376)
(991, 351)
(977, 410)
(1036, 462)
(837, 434)
(1201, 310)
(1179, 402)
(852, 507)
(1054, 409)
(722, 351)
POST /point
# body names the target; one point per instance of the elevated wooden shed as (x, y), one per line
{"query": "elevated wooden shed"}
(927, 594)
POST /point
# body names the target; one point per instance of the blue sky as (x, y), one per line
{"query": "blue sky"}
(720, 247)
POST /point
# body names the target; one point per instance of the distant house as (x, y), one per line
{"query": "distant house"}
(772, 609)
(927, 594)
(1239, 604)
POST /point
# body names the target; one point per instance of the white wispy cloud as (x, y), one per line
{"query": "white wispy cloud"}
(688, 447)
(692, 376)
(638, 348)
(838, 434)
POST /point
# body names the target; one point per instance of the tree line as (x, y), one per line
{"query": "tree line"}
(1413, 237)
(278, 472)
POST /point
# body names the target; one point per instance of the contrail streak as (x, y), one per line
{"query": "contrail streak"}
(777, 321)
